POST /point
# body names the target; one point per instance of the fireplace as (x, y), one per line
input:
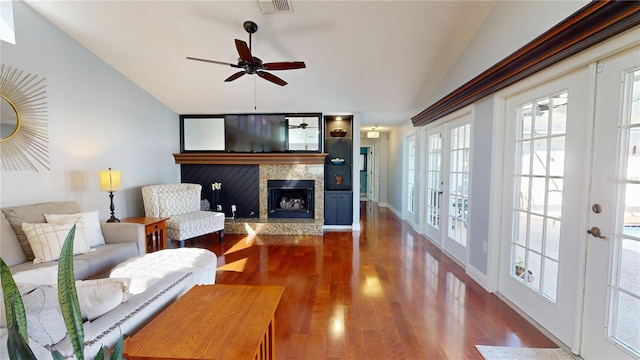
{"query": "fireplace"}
(290, 198)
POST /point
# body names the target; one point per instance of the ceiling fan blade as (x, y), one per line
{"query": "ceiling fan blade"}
(212, 61)
(270, 77)
(236, 75)
(290, 65)
(244, 52)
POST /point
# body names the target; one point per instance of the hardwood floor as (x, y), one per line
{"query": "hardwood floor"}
(385, 293)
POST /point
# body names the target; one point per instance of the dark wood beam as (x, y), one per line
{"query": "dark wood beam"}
(249, 158)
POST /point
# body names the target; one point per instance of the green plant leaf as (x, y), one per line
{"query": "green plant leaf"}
(68, 296)
(117, 350)
(17, 346)
(100, 354)
(11, 293)
(57, 356)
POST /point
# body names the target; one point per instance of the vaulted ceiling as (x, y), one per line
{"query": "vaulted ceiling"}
(382, 59)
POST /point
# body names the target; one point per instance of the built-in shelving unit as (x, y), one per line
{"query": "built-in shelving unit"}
(338, 182)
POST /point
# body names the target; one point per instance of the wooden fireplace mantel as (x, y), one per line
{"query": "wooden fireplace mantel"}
(249, 158)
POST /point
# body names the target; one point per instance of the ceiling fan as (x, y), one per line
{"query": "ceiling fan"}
(253, 65)
(303, 125)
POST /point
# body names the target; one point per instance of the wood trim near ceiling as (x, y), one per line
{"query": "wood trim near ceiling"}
(594, 23)
(249, 158)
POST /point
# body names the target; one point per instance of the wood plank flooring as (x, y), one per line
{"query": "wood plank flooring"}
(385, 293)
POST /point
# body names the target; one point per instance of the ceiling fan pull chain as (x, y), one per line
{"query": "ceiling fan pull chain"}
(255, 96)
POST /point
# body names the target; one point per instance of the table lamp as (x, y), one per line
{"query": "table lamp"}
(110, 182)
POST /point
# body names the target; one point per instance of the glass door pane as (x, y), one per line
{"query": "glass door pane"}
(459, 182)
(434, 182)
(411, 174)
(624, 310)
(539, 179)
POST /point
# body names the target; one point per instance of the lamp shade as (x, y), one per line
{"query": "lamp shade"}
(373, 134)
(109, 180)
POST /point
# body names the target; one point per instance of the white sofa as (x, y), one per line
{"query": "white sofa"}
(159, 278)
(181, 204)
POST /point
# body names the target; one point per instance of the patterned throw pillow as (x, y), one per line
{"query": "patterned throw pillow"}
(46, 240)
(92, 230)
(178, 202)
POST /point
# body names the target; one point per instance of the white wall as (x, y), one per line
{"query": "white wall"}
(96, 119)
(509, 26)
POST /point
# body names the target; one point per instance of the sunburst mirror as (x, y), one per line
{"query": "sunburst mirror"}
(24, 138)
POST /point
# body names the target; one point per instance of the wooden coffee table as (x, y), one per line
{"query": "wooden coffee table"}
(212, 322)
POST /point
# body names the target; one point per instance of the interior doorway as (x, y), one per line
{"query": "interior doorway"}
(368, 173)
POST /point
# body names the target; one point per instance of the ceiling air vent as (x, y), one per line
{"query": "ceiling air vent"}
(275, 6)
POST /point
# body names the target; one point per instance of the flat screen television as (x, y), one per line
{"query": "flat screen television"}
(255, 133)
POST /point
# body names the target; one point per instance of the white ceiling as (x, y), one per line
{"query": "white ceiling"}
(382, 59)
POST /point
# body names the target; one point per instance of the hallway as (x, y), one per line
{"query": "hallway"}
(383, 293)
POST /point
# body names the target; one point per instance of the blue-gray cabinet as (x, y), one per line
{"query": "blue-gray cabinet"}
(338, 207)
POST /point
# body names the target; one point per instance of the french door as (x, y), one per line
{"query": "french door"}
(611, 327)
(448, 181)
(433, 229)
(544, 197)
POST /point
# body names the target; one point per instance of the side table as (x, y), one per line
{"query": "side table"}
(155, 229)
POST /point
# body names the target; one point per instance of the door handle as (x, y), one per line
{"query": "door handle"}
(595, 231)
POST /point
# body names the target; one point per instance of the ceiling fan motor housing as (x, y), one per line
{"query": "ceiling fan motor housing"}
(250, 27)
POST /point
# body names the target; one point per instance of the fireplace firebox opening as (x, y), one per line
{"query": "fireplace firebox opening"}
(290, 198)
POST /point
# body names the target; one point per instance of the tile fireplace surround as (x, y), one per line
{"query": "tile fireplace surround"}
(289, 166)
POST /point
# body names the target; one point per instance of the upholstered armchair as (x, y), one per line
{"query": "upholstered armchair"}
(181, 204)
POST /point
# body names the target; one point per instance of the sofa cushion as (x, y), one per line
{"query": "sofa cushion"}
(178, 202)
(92, 231)
(35, 214)
(46, 240)
(182, 227)
(47, 275)
(10, 249)
(105, 257)
(80, 267)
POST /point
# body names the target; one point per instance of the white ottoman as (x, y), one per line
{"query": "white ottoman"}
(148, 269)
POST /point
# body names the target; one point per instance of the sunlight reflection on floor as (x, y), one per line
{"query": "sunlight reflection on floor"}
(237, 266)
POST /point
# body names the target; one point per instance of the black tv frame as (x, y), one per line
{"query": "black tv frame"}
(286, 144)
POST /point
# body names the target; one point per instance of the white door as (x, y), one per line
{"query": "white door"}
(433, 156)
(456, 187)
(546, 155)
(448, 158)
(411, 177)
(611, 327)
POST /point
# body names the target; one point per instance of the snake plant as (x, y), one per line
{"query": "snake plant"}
(18, 340)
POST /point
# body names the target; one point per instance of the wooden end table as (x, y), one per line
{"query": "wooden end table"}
(212, 322)
(155, 229)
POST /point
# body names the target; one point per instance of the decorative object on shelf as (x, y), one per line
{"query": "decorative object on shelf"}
(338, 179)
(110, 182)
(24, 137)
(373, 134)
(216, 188)
(338, 132)
(337, 161)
